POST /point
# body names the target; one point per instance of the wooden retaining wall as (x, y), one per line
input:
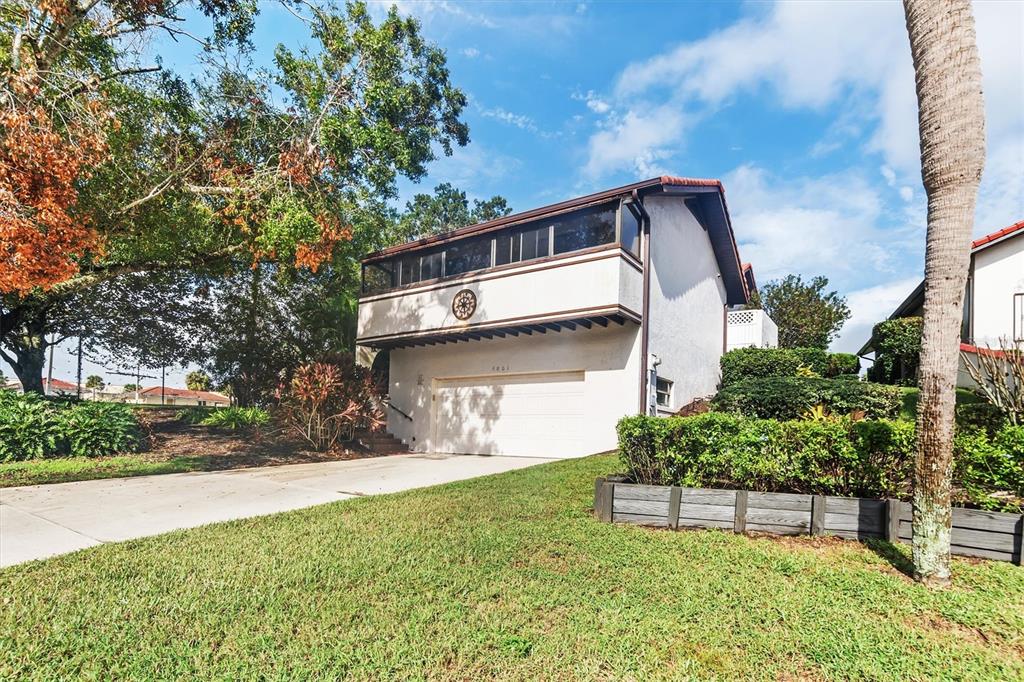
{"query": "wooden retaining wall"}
(989, 535)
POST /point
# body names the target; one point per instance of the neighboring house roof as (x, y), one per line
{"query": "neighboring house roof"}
(709, 206)
(168, 392)
(998, 236)
(968, 348)
(916, 298)
(62, 385)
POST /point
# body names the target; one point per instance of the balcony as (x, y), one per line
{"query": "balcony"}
(598, 286)
(751, 328)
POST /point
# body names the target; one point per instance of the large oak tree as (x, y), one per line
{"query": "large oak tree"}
(110, 166)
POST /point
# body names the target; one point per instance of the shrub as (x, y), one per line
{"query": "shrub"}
(827, 456)
(792, 397)
(29, 427)
(989, 470)
(838, 456)
(236, 417)
(842, 365)
(326, 402)
(93, 429)
(897, 346)
(754, 363)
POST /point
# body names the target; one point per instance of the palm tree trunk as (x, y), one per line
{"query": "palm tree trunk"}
(951, 120)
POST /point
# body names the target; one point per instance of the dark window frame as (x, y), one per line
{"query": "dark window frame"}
(1018, 317)
(394, 266)
(666, 392)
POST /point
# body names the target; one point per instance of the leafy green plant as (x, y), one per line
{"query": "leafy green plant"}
(897, 346)
(92, 429)
(236, 417)
(29, 427)
(791, 397)
(990, 468)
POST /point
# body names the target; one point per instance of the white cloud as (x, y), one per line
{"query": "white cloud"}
(868, 306)
(824, 225)
(637, 141)
(520, 121)
(470, 52)
(852, 56)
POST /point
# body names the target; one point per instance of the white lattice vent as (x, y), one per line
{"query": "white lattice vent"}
(741, 317)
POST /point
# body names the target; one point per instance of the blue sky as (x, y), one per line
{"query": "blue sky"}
(806, 111)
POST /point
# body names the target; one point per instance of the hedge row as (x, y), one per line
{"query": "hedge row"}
(32, 427)
(751, 363)
(822, 456)
(794, 397)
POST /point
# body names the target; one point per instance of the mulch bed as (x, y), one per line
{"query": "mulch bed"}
(168, 438)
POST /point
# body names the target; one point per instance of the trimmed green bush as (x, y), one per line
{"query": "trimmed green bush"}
(29, 427)
(754, 363)
(897, 346)
(236, 417)
(824, 456)
(194, 415)
(93, 429)
(842, 456)
(792, 397)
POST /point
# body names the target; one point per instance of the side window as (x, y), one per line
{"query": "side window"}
(663, 393)
(629, 230)
(1018, 317)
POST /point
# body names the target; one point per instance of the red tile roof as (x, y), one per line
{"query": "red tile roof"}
(995, 236)
(185, 393)
(968, 348)
(62, 385)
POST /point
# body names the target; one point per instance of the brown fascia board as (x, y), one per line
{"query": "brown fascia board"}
(515, 218)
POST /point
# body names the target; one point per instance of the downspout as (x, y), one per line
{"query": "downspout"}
(645, 258)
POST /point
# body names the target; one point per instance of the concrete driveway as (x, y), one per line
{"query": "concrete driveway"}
(45, 520)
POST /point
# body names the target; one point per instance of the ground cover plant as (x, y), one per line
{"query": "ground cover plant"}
(504, 577)
(32, 427)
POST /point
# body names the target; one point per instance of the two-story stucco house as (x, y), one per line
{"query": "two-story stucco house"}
(994, 299)
(534, 333)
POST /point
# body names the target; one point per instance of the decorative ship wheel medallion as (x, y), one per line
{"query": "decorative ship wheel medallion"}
(464, 304)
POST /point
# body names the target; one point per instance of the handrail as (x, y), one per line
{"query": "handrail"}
(387, 401)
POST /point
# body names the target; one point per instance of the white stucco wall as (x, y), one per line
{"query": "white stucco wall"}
(687, 304)
(998, 275)
(608, 356)
(590, 280)
(750, 328)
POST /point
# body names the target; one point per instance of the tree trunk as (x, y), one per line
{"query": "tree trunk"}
(951, 121)
(27, 346)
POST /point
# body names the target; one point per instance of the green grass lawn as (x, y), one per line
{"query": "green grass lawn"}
(63, 469)
(503, 577)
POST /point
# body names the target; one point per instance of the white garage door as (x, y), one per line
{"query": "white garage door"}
(539, 415)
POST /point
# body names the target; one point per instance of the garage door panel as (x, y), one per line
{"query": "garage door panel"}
(510, 414)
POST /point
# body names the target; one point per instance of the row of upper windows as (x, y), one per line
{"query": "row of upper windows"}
(606, 224)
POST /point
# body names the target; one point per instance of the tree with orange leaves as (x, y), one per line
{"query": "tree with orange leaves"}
(111, 166)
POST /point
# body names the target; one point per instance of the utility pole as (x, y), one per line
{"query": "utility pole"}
(49, 373)
(163, 382)
(78, 389)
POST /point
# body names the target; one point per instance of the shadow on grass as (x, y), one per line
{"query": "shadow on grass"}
(893, 553)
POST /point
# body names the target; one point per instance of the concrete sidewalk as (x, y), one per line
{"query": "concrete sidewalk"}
(44, 520)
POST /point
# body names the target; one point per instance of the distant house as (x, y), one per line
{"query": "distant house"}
(155, 395)
(51, 387)
(994, 300)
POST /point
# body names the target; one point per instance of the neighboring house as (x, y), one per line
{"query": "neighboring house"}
(53, 387)
(155, 395)
(994, 300)
(533, 333)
